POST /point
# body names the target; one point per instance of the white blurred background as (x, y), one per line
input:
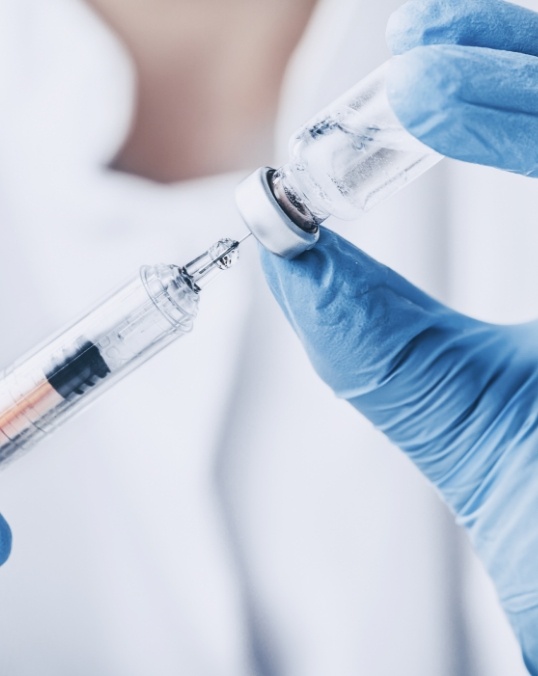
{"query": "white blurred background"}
(220, 513)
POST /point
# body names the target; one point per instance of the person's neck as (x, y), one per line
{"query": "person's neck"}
(209, 76)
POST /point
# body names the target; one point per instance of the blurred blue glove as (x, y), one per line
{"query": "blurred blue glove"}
(5, 540)
(458, 395)
(467, 81)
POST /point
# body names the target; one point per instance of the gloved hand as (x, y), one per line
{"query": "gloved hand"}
(459, 396)
(5, 540)
(467, 81)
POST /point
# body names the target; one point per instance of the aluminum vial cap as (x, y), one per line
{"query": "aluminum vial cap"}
(267, 220)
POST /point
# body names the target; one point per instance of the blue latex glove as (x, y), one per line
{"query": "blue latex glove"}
(5, 540)
(467, 81)
(459, 396)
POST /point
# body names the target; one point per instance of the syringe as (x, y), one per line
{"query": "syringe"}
(50, 384)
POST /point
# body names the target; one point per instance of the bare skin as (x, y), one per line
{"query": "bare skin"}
(209, 75)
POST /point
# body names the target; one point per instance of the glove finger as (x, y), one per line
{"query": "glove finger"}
(419, 371)
(480, 23)
(469, 103)
(5, 540)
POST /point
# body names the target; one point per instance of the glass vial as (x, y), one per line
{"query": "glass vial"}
(348, 158)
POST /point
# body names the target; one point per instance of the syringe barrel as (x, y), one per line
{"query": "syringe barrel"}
(49, 385)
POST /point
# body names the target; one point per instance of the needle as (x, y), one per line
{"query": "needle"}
(244, 238)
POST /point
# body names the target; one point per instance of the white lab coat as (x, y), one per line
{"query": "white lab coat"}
(220, 513)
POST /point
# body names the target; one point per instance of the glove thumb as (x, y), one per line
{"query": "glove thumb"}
(459, 396)
(419, 371)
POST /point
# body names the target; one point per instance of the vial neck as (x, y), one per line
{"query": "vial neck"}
(293, 201)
